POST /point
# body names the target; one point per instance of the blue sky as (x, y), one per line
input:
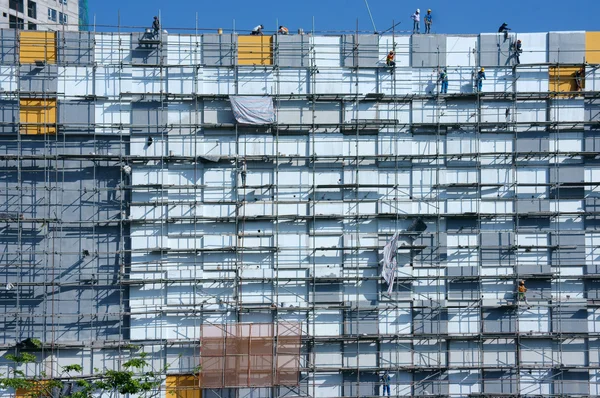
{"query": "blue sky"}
(450, 16)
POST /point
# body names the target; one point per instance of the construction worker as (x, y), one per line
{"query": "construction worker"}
(155, 26)
(389, 60)
(521, 293)
(385, 382)
(579, 80)
(257, 31)
(416, 17)
(428, 21)
(244, 172)
(518, 51)
(283, 30)
(504, 29)
(443, 79)
(480, 79)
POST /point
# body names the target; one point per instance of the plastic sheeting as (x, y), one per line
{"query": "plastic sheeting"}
(253, 110)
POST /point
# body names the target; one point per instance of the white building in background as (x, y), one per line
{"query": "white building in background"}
(40, 14)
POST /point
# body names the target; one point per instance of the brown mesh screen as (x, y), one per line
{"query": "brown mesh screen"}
(250, 355)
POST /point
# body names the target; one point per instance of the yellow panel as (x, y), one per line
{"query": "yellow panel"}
(592, 47)
(38, 116)
(183, 386)
(562, 79)
(37, 46)
(255, 50)
(39, 391)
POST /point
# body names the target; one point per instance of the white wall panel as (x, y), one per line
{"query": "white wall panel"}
(8, 78)
(147, 80)
(495, 112)
(218, 81)
(255, 82)
(396, 321)
(326, 323)
(498, 80)
(535, 48)
(567, 110)
(112, 81)
(531, 111)
(535, 319)
(112, 116)
(182, 80)
(292, 81)
(183, 49)
(532, 79)
(75, 80)
(327, 51)
(463, 321)
(429, 353)
(425, 82)
(536, 382)
(361, 355)
(461, 51)
(464, 383)
(328, 355)
(464, 353)
(499, 352)
(461, 79)
(325, 385)
(397, 83)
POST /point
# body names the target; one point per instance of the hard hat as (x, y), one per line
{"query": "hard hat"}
(518, 41)
(522, 282)
(483, 69)
(429, 10)
(418, 10)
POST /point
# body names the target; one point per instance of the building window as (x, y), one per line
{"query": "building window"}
(16, 5)
(52, 14)
(32, 9)
(16, 23)
(63, 2)
(31, 26)
(62, 18)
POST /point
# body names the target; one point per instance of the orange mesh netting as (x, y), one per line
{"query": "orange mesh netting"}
(250, 355)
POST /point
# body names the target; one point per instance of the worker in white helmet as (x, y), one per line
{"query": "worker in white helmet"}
(416, 17)
(428, 21)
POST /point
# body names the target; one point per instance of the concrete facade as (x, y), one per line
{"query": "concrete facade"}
(55, 15)
(133, 223)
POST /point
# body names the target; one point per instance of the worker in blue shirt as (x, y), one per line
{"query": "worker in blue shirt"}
(428, 21)
(443, 79)
(385, 382)
(480, 79)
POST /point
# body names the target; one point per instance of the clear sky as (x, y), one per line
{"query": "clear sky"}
(450, 16)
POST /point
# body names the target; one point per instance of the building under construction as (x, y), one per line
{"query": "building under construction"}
(146, 201)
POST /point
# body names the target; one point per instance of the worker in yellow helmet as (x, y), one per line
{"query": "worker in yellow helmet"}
(480, 79)
(428, 21)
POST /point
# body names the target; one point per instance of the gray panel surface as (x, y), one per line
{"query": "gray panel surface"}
(592, 110)
(533, 142)
(75, 48)
(494, 50)
(292, 51)
(430, 321)
(364, 53)
(572, 382)
(9, 112)
(566, 47)
(569, 320)
(38, 79)
(499, 382)
(8, 47)
(428, 51)
(147, 54)
(80, 113)
(218, 50)
(147, 117)
(499, 320)
(431, 383)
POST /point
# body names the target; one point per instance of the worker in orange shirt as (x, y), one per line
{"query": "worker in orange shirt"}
(283, 30)
(389, 60)
(521, 293)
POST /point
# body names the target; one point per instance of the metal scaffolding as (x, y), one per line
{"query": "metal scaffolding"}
(136, 210)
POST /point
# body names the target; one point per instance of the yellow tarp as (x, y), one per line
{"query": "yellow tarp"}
(37, 116)
(255, 50)
(592, 47)
(562, 79)
(183, 386)
(37, 46)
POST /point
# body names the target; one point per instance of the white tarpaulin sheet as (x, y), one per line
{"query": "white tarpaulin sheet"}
(253, 110)
(389, 262)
